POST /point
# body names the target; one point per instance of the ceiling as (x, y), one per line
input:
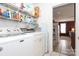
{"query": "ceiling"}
(63, 12)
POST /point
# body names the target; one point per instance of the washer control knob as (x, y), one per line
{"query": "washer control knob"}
(1, 49)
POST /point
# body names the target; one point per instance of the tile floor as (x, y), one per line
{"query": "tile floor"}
(54, 54)
(64, 47)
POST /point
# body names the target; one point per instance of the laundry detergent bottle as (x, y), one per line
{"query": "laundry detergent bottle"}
(0, 11)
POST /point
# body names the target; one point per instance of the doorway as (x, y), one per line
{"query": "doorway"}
(64, 29)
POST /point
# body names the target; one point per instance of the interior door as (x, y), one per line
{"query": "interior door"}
(62, 26)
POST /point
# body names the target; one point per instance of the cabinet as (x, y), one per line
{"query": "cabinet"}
(72, 35)
(55, 31)
(39, 45)
(55, 36)
(27, 46)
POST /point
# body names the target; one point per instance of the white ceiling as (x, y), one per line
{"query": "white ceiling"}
(63, 12)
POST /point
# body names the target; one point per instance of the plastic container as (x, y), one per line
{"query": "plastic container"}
(6, 14)
(0, 11)
(14, 15)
